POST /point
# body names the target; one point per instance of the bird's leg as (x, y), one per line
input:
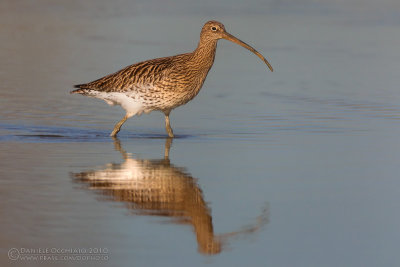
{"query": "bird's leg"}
(117, 126)
(168, 126)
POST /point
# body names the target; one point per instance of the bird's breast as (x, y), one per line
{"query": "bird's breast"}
(175, 89)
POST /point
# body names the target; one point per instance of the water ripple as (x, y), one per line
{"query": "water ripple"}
(46, 134)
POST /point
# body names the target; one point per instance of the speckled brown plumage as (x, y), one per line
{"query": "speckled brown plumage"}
(163, 83)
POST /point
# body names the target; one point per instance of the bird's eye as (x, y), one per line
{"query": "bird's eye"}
(213, 29)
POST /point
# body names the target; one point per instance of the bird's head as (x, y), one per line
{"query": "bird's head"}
(214, 30)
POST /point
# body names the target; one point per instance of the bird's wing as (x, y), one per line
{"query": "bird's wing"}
(139, 76)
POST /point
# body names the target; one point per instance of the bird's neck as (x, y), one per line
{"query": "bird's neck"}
(203, 57)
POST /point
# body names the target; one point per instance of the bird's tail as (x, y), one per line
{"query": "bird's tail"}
(81, 90)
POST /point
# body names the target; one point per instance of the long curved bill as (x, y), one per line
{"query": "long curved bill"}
(232, 38)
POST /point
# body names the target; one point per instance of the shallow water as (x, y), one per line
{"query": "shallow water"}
(298, 167)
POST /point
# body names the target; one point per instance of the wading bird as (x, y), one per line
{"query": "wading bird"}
(164, 83)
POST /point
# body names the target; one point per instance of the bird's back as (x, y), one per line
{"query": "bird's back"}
(133, 77)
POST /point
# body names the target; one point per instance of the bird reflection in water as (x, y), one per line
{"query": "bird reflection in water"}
(157, 187)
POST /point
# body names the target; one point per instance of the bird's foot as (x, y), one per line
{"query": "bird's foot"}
(114, 133)
(170, 133)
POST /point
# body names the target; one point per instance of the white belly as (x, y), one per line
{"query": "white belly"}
(132, 105)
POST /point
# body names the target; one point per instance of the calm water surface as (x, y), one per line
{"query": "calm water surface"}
(299, 167)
